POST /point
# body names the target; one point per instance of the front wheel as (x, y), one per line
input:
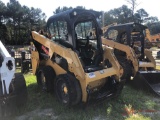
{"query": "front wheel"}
(17, 98)
(67, 90)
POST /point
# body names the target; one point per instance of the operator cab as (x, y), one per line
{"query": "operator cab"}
(78, 30)
(132, 34)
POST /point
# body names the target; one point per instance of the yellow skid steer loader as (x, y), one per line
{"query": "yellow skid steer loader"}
(129, 47)
(70, 60)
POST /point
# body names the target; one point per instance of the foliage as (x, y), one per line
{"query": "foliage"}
(119, 15)
(59, 9)
(154, 27)
(133, 4)
(3, 9)
(124, 14)
(19, 21)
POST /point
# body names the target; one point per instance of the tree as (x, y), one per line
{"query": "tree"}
(119, 15)
(3, 29)
(143, 14)
(59, 9)
(151, 19)
(124, 14)
(3, 33)
(2, 8)
(143, 17)
(14, 12)
(154, 27)
(20, 20)
(133, 4)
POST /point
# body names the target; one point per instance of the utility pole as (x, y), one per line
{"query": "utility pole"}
(102, 18)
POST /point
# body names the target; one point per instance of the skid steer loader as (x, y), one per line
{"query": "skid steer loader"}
(13, 91)
(138, 62)
(71, 62)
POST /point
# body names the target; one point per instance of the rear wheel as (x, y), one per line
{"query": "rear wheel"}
(67, 90)
(127, 68)
(45, 78)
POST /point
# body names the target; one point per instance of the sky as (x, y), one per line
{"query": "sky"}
(48, 6)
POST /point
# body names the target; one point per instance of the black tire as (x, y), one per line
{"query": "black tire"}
(45, 78)
(127, 68)
(20, 89)
(67, 90)
(119, 87)
(17, 96)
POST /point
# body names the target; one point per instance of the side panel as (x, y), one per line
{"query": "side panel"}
(125, 48)
(34, 60)
(116, 68)
(149, 55)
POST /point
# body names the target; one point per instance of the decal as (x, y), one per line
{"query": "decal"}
(45, 49)
(91, 75)
(101, 71)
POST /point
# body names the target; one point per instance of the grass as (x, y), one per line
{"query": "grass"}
(130, 105)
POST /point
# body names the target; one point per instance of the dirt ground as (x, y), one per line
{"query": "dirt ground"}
(38, 114)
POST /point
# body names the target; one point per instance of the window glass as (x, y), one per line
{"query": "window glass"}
(112, 34)
(58, 30)
(85, 29)
(86, 34)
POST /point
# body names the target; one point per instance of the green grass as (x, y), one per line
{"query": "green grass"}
(138, 103)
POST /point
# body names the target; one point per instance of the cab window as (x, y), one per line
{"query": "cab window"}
(112, 34)
(58, 30)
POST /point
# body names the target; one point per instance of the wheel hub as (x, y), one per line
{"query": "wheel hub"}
(64, 89)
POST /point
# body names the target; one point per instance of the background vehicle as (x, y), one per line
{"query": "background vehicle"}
(13, 91)
(152, 38)
(72, 61)
(128, 42)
